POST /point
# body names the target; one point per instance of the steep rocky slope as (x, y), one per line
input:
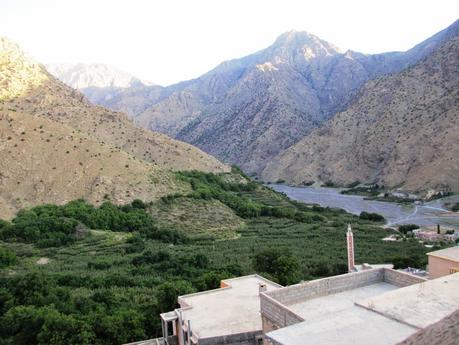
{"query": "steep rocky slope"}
(45, 162)
(41, 94)
(401, 131)
(56, 146)
(246, 111)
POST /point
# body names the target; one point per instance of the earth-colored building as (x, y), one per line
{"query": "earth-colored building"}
(443, 262)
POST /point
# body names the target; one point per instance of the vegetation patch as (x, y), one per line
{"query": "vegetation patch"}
(198, 218)
(110, 285)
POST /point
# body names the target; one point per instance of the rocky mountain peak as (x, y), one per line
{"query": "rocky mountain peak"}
(301, 42)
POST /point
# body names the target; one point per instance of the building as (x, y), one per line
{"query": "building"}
(228, 315)
(434, 236)
(379, 307)
(373, 304)
(443, 262)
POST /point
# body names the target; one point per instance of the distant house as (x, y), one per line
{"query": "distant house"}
(443, 262)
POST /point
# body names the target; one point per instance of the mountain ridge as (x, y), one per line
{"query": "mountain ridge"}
(400, 132)
(246, 111)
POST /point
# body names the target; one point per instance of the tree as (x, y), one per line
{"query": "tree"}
(374, 217)
(282, 265)
(60, 329)
(407, 227)
(7, 257)
(122, 326)
(168, 293)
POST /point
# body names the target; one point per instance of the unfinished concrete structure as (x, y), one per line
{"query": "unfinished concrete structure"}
(374, 304)
(228, 315)
(443, 262)
(379, 307)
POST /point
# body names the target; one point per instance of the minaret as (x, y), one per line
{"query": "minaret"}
(350, 249)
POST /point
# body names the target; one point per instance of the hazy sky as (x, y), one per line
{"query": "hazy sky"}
(166, 41)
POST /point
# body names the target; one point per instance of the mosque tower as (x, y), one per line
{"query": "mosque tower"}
(350, 249)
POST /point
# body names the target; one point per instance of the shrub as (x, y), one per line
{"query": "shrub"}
(329, 184)
(374, 217)
(7, 257)
(404, 228)
(137, 203)
(353, 184)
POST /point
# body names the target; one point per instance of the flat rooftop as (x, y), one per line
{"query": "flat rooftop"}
(377, 314)
(324, 306)
(352, 326)
(418, 305)
(448, 253)
(232, 309)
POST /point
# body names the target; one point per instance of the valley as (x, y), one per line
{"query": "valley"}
(109, 284)
(118, 195)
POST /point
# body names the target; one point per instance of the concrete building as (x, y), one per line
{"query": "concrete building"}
(373, 304)
(228, 315)
(443, 262)
(378, 307)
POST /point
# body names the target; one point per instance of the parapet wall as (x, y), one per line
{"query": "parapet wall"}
(326, 286)
(275, 315)
(274, 304)
(443, 332)
(249, 338)
(401, 279)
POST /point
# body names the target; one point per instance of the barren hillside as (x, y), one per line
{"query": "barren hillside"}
(56, 146)
(402, 131)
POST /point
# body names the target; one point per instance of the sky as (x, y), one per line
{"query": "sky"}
(167, 41)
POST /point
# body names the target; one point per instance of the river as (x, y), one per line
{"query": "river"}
(428, 214)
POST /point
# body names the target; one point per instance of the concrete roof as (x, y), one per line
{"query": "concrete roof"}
(351, 318)
(421, 304)
(229, 310)
(353, 326)
(448, 253)
(324, 306)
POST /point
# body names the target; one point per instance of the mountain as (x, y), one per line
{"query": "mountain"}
(107, 86)
(81, 76)
(402, 131)
(56, 146)
(248, 110)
